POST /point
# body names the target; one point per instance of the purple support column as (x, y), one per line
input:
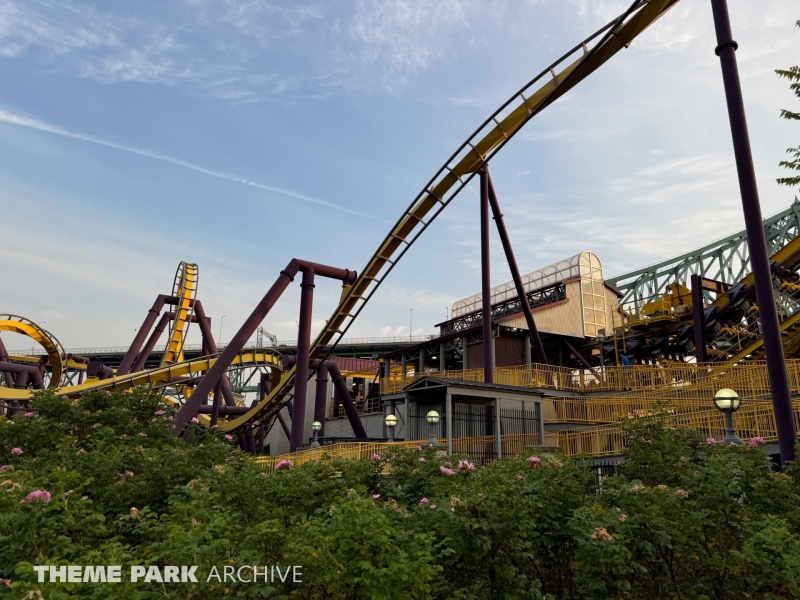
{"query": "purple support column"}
(303, 347)
(321, 397)
(4, 358)
(216, 403)
(512, 265)
(152, 341)
(130, 355)
(249, 327)
(698, 314)
(486, 292)
(759, 258)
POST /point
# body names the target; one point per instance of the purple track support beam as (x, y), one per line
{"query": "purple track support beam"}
(320, 398)
(698, 314)
(138, 340)
(96, 368)
(486, 290)
(246, 331)
(285, 427)
(151, 342)
(303, 347)
(215, 406)
(79, 359)
(347, 401)
(22, 373)
(512, 265)
(341, 392)
(4, 358)
(756, 242)
(577, 354)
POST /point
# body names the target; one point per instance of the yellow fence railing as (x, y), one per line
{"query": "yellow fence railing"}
(513, 444)
(750, 379)
(755, 419)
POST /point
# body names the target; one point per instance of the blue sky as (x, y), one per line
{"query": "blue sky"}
(241, 133)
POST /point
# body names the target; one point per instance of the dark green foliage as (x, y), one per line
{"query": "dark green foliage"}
(793, 75)
(682, 518)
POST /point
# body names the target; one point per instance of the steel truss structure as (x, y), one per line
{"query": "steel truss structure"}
(541, 297)
(725, 260)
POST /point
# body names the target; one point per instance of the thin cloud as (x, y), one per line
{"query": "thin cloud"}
(31, 123)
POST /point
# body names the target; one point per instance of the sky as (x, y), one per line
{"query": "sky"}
(238, 134)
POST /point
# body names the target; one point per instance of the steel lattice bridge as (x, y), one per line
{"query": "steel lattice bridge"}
(726, 260)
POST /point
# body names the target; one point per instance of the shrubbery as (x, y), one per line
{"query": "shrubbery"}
(103, 481)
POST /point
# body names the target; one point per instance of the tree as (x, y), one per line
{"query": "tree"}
(793, 75)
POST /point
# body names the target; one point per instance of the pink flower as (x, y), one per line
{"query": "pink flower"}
(84, 498)
(711, 441)
(29, 414)
(600, 533)
(16, 451)
(446, 471)
(755, 441)
(67, 494)
(195, 420)
(448, 464)
(465, 465)
(421, 459)
(141, 434)
(159, 412)
(284, 464)
(423, 501)
(375, 496)
(433, 506)
(534, 461)
(174, 426)
(194, 521)
(228, 437)
(3, 468)
(419, 447)
(397, 510)
(682, 493)
(169, 417)
(376, 457)
(38, 496)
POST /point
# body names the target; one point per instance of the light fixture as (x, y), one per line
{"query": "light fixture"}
(391, 422)
(728, 402)
(433, 418)
(316, 426)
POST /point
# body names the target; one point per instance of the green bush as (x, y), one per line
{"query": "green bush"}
(682, 518)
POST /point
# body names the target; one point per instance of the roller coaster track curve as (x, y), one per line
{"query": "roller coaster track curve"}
(453, 176)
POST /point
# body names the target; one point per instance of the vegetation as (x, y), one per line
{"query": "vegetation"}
(793, 76)
(102, 481)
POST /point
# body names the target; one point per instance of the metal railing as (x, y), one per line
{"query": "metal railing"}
(513, 444)
(755, 419)
(666, 381)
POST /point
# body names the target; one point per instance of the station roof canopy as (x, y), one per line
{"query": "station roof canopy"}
(563, 270)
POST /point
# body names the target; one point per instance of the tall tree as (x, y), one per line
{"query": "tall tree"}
(793, 75)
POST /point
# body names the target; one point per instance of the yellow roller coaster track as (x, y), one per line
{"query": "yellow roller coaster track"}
(456, 173)
(185, 289)
(56, 356)
(161, 376)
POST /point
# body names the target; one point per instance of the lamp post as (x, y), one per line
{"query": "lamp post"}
(433, 418)
(220, 329)
(315, 427)
(728, 401)
(391, 422)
